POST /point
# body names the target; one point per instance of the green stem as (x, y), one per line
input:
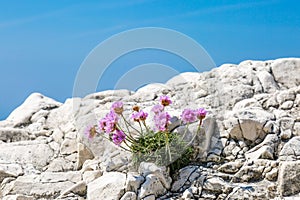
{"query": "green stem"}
(128, 124)
(141, 128)
(147, 129)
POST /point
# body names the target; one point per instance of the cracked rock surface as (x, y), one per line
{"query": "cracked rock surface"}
(249, 147)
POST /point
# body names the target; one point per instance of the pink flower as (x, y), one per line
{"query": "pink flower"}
(201, 113)
(188, 116)
(109, 122)
(118, 137)
(161, 121)
(141, 115)
(165, 100)
(90, 132)
(117, 107)
(157, 108)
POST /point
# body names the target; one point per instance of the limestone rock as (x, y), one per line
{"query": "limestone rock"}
(83, 154)
(151, 186)
(286, 72)
(29, 152)
(34, 103)
(291, 150)
(289, 178)
(46, 184)
(247, 148)
(248, 124)
(109, 186)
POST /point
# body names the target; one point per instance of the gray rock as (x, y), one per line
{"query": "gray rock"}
(248, 124)
(184, 175)
(231, 167)
(291, 150)
(84, 153)
(14, 134)
(289, 178)
(133, 182)
(151, 186)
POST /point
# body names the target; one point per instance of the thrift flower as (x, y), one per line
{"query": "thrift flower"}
(188, 116)
(165, 100)
(90, 132)
(201, 113)
(141, 115)
(117, 107)
(108, 123)
(157, 108)
(161, 121)
(118, 137)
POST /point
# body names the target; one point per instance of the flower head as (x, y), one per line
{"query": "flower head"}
(157, 108)
(109, 122)
(90, 132)
(165, 100)
(201, 113)
(161, 121)
(117, 107)
(118, 137)
(188, 116)
(141, 115)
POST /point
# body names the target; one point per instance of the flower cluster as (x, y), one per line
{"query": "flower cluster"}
(189, 115)
(110, 126)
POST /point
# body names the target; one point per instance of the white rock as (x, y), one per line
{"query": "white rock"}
(34, 103)
(89, 176)
(109, 186)
(68, 146)
(46, 184)
(129, 196)
(286, 72)
(18, 197)
(31, 152)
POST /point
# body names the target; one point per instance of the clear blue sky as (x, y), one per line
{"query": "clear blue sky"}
(43, 43)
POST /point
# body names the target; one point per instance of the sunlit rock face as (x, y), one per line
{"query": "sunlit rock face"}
(249, 146)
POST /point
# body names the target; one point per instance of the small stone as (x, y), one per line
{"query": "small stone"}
(272, 175)
(151, 186)
(89, 176)
(289, 178)
(84, 153)
(68, 147)
(187, 194)
(130, 196)
(286, 134)
(231, 167)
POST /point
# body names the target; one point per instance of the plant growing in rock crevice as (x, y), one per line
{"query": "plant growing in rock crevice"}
(158, 144)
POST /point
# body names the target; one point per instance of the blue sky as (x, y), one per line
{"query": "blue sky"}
(43, 43)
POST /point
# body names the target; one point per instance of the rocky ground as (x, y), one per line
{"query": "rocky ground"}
(250, 148)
